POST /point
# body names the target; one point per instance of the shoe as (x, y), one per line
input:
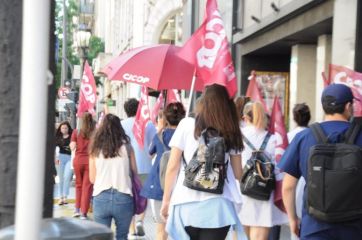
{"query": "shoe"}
(140, 231)
(132, 236)
(76, 214)
(83, 217)
(60, 203)
(65, 201)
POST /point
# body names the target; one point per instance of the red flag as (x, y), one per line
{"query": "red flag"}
(173, 96)
(142, 117)
(344, 75)
(159, 104)
(87, 92)
(325, 79)
(253, 91)
(277, 127)
(208, 50)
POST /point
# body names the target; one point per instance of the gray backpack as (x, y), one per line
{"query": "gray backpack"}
(163, 162)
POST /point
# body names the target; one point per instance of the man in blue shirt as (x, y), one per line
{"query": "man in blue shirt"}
(337, 104)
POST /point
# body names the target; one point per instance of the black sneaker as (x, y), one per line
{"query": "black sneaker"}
(140, 231)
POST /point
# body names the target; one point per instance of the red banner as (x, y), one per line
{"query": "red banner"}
(208, 50)
(159, 104)
(253, 91)
(344, 75)
(87, 92)
(173, 96)
(142, 117)
(277, 127)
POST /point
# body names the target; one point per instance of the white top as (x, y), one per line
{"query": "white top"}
(257, 212)
(183, 139)
(113, 173)
(294, 132)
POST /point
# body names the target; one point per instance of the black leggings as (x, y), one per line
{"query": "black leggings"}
(207, 233)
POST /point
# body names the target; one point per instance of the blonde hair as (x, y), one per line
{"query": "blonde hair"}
(256, 113)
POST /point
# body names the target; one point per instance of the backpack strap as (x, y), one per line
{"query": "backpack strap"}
(265, 141)
(159, 135)
(249, 143)
(352, 133)
(318, 133)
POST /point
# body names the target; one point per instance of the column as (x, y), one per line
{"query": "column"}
(324, 50)
(302, 79)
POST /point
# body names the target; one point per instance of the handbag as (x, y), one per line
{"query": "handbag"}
(139, 202)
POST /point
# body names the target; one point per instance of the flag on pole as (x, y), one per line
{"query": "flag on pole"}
(173, 96)
(142, 117)
(253, 91)
(208, 50)
(353, 79)
(277, 127)
(87, 92)
(159, 104)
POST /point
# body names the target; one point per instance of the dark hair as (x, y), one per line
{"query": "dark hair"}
(331, 109)
(217, 110)
(301, 114)
(58, 133)
(88, 125)
(173, 113)
(131, 106)
(240, 103)
(108, 138)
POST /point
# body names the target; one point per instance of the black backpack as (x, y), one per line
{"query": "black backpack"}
(334, 183)
(206, 171)
(258, 179)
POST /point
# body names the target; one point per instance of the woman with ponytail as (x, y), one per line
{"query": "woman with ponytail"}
(110, 163)
(258, 216)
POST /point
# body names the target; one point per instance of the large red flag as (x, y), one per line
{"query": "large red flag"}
(208, 50)
(173, 96)
(277, 127)
(87, 92)
(344, 75)
(253, 91)
(159, 104)
(142, 117)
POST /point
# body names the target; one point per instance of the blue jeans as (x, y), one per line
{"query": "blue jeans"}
(64, 174)
(113, 204)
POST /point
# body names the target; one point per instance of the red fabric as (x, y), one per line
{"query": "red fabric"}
(159, 104)
(87, 92)
(142, 117)
(277, 127)
(173, 96)
(208, 50)
(83, 187)
(253, 91)
(155, 66)
(81, 152)
(344, 75)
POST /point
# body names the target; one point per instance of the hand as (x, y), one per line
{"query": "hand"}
(164, 211)
(57, 162)
(295, 226)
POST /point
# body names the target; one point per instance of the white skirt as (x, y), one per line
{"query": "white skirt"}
(260, 213)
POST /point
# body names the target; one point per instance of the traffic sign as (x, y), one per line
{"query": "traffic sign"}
(62, 92)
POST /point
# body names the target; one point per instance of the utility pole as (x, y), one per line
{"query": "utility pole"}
(10, 71)
(64, 47)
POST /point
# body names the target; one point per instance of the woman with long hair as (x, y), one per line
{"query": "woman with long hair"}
(193, 214)
(83, 187)
(258, 216)
(111, 161)
(63, 160)
(172, 115)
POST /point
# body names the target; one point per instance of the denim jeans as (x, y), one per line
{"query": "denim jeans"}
(64, 174)
(113, 204)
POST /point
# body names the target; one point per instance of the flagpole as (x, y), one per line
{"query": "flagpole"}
(191, 93)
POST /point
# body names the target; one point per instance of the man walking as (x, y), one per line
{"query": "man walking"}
(337, 102)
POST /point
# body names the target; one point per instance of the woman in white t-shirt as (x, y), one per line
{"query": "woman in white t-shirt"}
(109, 170)
(193, 214)
(258, 216)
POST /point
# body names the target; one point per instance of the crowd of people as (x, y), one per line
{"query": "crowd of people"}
(106, 156)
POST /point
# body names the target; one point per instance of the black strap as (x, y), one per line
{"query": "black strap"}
(352, 133)
(318, 133)
(263, 145)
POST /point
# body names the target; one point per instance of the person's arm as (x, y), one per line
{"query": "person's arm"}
(92, 169)
(73, 141)
(288, 192)
(173, 168)
(133, 161)
(235, 161)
